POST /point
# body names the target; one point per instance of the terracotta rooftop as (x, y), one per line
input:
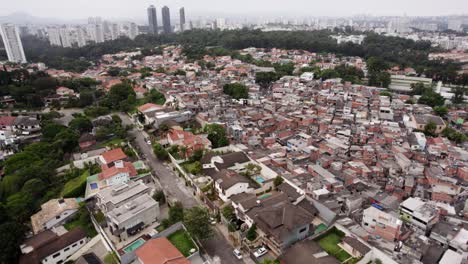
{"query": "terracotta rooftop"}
(113, 155)
(112, 171)
(160, 251)
(7, 120)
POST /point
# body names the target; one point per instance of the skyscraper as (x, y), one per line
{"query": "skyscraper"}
(132, 30)
(152, 20)
(182, 18)
(65, 37)
(54, 36)
(115, 31)
(12, 43)
(81, 37)
(166, 19)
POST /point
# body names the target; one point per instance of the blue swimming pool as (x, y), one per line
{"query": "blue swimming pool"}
(134, 245)
(259, 179)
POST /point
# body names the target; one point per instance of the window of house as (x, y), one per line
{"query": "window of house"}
(66, 249)
(56, 255)
(303, 230)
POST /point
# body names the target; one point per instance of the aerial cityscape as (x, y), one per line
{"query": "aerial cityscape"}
(212, 132)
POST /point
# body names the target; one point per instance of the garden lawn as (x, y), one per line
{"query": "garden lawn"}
(75, 187)
(182, 241)
(329, 244)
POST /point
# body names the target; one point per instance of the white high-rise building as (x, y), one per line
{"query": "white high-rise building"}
(54, 36)
(455, 24)
(12, 43)
(96, 32)
(132, 30)
(221, 23)
(65, 37)
(80, 37)
(114, 31)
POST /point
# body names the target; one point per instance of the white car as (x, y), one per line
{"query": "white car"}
(237, 253)
(212, 220)
(260, 252)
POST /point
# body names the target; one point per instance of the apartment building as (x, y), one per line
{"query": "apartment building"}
(382, 224)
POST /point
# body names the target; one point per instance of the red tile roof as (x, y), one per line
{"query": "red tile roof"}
(113, 155)
(112, 171)
(148, 106)
(7, 120)
(160, 251)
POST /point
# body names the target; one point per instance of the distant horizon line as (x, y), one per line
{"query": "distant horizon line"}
(249, 15)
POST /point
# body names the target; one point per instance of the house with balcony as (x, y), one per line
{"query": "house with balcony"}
(419, 213)
(382, 224)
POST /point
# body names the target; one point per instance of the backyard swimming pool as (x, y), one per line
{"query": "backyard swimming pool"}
(259, 179)
(134, 245)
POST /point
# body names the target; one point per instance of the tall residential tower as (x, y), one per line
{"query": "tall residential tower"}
(12, 42)
(166, 19)
(152, 20)
(182, 18)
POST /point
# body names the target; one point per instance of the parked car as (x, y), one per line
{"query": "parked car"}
(213, 220)
(237, 253)
(148, 141)
(260, 252)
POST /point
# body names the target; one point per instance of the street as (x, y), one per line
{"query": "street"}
(174, 187)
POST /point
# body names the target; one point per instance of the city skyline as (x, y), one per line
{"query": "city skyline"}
(72, 11)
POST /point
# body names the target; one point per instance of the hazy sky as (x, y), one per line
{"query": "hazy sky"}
(78, 9)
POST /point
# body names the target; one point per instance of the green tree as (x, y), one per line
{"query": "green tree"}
(197, 222)
(113, 71)
(252, 233)
(160, 152)
(176, 213)
(196, 156)
(228, 212)
(155, 97)
(236, 90)
(217, 135)
(458, 95)
(431, 99)
(159, 197)
(264, 79)
(418, 88)
(441, 110)
(377, 64)
(278, 181)
(430, 128)
(12, 237)
(121, 95)
(81, 124)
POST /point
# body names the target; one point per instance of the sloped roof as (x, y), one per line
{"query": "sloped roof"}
(53, 246)
(112, 171)
(113, 155)
(160, 251)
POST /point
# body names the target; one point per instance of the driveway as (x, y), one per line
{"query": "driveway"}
(174, 187)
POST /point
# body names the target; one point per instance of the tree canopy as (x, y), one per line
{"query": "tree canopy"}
(236, 90)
